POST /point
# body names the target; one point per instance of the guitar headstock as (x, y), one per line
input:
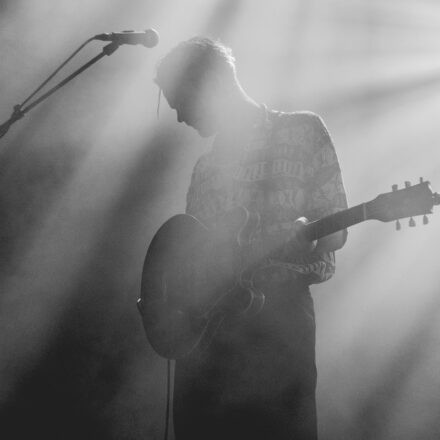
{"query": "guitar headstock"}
(401, 203)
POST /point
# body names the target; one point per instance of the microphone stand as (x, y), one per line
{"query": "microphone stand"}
(20, 111)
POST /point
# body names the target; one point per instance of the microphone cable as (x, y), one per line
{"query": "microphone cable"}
(167, 412)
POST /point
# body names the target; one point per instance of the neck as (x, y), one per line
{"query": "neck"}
(239, 116)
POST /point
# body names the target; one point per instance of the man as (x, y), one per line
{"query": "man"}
(257, 378)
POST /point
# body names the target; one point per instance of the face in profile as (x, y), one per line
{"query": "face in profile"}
(198, 104)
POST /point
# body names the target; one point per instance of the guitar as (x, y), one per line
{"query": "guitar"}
(194, 277)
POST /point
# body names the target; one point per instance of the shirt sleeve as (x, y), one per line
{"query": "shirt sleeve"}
(326, 195)
(323, 193)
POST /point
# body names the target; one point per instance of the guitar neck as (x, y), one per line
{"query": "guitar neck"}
(335, 222)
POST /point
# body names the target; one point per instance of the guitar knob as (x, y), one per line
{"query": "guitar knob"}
(425, 219)
(394, 187)
(398, 225)
(407, 183)
(412, 222)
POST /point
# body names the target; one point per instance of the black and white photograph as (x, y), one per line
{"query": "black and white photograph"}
(219, 220)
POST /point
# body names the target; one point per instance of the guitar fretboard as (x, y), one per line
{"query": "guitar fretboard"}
(335, 222)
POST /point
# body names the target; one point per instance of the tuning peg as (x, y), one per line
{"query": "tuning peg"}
(412, 222)
(425, 219)
(394, 187)
(421, 179)
(398, 225)
(407, 183)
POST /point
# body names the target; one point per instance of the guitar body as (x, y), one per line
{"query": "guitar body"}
(192, 279)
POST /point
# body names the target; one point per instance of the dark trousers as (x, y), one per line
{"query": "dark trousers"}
(257, 379)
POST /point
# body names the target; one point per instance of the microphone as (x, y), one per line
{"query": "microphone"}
(149, 37)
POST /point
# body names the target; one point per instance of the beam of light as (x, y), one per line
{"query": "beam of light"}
(66, 238)
(371, 69)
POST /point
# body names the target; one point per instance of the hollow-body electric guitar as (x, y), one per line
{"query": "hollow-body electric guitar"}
(194, 277)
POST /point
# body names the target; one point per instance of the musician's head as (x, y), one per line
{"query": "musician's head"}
(198, 79)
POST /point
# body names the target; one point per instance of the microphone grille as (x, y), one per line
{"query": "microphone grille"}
(151, 38)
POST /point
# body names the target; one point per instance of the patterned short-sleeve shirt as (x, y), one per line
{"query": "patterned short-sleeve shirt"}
(286, 170)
